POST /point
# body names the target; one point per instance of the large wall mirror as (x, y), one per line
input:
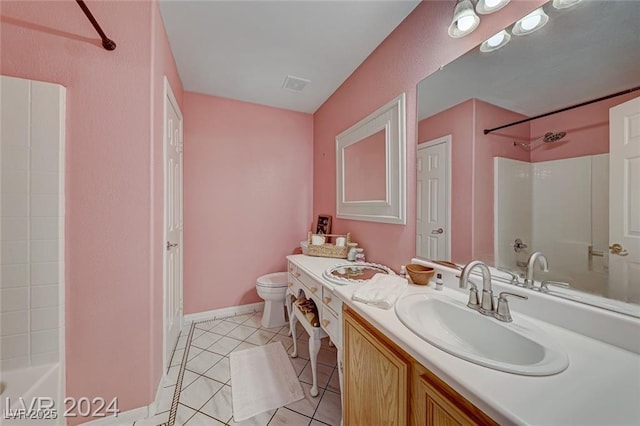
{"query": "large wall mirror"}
(371, 166)
(546, 184)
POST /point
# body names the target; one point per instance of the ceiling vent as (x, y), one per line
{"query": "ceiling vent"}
(295, 84)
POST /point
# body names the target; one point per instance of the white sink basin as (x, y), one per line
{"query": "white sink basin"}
(450, 325)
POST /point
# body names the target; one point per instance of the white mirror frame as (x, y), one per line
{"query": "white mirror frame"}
(392, 119)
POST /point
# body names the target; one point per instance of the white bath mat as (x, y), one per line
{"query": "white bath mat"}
(262, 379)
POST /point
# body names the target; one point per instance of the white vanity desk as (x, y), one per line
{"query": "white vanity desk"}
(305, 276)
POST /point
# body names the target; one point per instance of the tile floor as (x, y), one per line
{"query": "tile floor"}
(205, 397)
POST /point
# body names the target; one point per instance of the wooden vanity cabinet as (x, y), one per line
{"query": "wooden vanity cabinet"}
(383, 385)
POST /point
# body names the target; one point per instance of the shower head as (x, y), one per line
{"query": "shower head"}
(550, 137)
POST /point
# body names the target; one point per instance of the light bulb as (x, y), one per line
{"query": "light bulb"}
(465, 22)
(492, 3)
(530, 22)
(496, 39)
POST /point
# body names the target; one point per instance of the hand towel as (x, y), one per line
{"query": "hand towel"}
(381, 290)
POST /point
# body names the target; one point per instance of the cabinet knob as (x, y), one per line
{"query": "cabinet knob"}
(325, 322)
(314, 290)
(326, 300)
(290, 284)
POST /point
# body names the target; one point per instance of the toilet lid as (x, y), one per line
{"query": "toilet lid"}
(275, 280)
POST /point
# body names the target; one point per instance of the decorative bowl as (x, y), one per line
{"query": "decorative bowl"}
(420, 274)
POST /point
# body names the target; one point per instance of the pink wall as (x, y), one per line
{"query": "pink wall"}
(415, 49)
(112, 136)
(457, 122)
(247, 196)
(365, 170)
(496, 144)
(582, 139)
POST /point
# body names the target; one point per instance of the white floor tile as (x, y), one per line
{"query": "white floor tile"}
(153, 421)
(204, 361)
(199, 392)
(183, 414)
(224, 327)
(172, 376)
(239, 318)
(308, 404)
(298, 364)
(207, 325)
(165, 398)
(241, 332)
(220, 372)
(254, 321)
(200, 419)
(182, 341)
(323, 374)
(188, 379)
(177, 357)
(334, 382)
(205, 340)
(194, 352)
(317, 423)
(244, 345)
(287, 342)
(329, 409)
(260, 337)
(259, 420)
(224, 346)
(220, 405)
(197, 332)
(328, 356)
(284, 417)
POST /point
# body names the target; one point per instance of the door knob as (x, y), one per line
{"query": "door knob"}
(437, 231)
(618, 249)
(170, 245)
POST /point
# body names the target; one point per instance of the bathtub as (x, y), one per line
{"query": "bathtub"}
(42, 381)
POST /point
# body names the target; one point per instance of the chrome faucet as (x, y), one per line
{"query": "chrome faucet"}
(486, 306)
(531, 263)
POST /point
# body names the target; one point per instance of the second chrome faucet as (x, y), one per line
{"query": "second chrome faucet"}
(486, 304)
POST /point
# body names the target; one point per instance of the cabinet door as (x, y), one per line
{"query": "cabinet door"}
(434, 403)
(375, 379)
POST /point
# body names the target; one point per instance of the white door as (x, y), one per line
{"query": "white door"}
(433, 236)
(173, 223)
(624, 201)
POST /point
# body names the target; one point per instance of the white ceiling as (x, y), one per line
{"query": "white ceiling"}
(584, 52)
(245, 49)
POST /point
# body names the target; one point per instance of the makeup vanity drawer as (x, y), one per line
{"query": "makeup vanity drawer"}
(330, 323)
(312, 285)
(331, 300)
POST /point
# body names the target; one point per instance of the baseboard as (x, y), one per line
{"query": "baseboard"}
(224, 312)
(124, 418)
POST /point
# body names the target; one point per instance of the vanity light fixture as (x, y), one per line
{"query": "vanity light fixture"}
(495, 42)
(465, 19)
(530, 23)
(563, 4)
(484, 7)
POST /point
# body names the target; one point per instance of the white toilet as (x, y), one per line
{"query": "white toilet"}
(273, 288)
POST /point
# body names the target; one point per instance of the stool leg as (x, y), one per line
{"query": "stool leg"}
(292, 327)
(314, 348)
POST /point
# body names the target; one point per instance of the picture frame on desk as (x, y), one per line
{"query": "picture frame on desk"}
(323, 224)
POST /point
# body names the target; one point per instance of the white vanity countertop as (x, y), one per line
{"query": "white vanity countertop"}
(601, 386)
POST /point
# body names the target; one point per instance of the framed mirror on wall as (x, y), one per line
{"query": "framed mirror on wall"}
(371, 167)
(547, 184)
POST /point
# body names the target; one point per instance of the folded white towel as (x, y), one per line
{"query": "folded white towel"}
(381, 290)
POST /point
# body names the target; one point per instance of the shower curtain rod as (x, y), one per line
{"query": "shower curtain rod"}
(107, 43)
(613, 95)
